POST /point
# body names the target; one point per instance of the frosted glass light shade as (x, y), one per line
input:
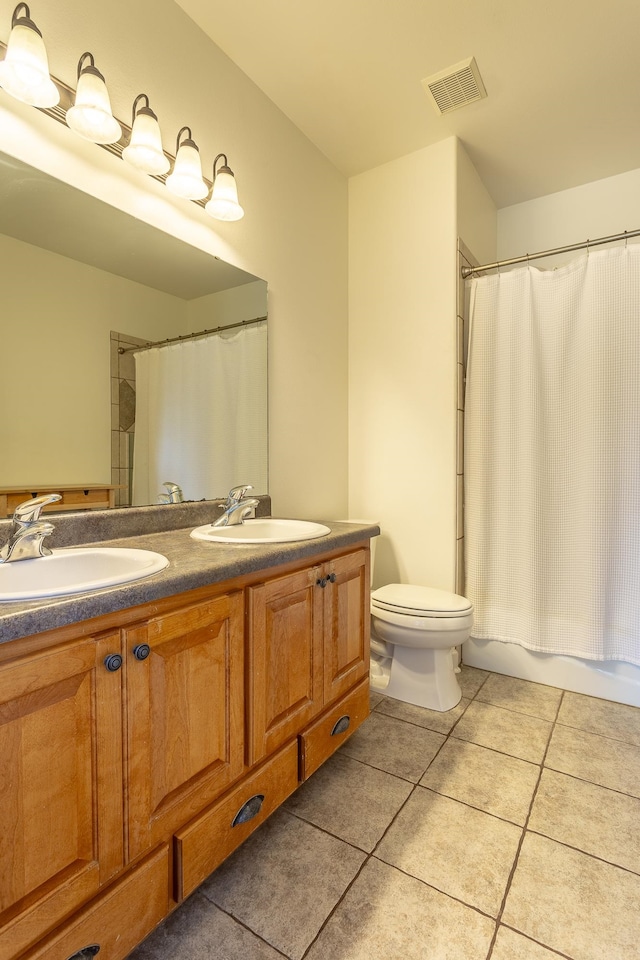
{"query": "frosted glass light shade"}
(91, 115)
(186, 180)
(223, 204)
(24, 72)
(144, 150)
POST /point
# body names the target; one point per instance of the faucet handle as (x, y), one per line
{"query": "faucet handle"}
(236, 494)
(29, 511)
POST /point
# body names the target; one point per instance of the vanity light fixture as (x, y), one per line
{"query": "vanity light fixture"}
(223, 204)
(24, 72)
(91, 115)
(144, 150)
(186, 179)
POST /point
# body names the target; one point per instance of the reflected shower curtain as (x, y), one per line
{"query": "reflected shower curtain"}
(552, 457)
(201, 415)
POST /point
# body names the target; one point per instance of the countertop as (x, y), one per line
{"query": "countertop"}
(192, 563)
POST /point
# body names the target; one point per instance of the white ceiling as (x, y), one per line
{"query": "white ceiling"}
(562, 78)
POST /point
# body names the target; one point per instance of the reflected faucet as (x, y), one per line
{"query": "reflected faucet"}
(237, 508)
(26, 540)
(173, 494)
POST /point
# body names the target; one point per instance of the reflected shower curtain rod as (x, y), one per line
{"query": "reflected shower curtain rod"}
(190, 336)
(469, 271)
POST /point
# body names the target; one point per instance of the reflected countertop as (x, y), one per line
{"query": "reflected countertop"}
(192, 564)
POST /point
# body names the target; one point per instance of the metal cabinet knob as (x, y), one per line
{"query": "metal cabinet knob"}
(322, 582)
(332, 578)
(113, 662)
(142, 651)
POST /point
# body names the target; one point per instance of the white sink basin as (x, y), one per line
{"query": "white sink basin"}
(76, 570)
(262, 530)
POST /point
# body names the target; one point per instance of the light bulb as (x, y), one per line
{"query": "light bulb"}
(186, 179)
(24, 72)
(144, 150)
(223, 204)
(91, 115)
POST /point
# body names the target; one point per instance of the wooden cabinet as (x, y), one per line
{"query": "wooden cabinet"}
(285, 658)
(60, 786)
(135, 756)
(202, 845)
(185, 701)
(346, 623)
(118, 919)
(310, 644)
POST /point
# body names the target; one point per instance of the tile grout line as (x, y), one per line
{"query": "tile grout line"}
(523, 836)
(371, 855)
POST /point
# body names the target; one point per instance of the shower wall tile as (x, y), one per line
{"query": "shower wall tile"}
(465, 259)
(460, 570)
(460, 386)
(123, 400)
(460, 443)
(460, 506)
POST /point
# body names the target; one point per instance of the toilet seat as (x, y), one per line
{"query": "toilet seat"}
(408, 600)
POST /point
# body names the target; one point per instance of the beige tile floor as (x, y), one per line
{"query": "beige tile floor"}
(505, 829)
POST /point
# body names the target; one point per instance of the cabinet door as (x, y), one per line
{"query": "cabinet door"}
(285, 659)
(185, 727)
(60, 785)
(346, 623)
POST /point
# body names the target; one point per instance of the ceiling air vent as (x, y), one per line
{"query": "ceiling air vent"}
(456, 86)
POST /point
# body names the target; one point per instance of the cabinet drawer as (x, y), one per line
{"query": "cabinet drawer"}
(119, 919)
(325, 735)
(202, 845)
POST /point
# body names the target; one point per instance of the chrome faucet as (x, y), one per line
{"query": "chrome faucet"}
(237, 507)
(173, 494)
(26, 540)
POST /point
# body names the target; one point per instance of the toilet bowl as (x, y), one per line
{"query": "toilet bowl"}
(412, 632)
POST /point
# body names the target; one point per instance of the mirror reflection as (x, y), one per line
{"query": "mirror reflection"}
(84, 287)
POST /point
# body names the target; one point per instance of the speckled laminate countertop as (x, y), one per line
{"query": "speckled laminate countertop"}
(192, 563)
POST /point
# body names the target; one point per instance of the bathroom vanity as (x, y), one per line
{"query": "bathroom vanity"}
(144, 740)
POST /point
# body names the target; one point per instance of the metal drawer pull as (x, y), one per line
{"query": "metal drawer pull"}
(248, 810)
(341, 725)
(113, 662)
(86, 953)
(142, 651)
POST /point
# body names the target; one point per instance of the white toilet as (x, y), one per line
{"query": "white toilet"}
(412, 632)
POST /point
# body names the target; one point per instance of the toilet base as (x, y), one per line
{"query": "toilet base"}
(425, 678)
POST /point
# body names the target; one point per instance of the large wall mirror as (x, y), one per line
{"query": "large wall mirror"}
(84, 286)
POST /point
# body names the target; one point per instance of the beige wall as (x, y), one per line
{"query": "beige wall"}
(247, 302)
(597, 209)
(294, 233)
(476, 212)
(402, 363)
(55, 387)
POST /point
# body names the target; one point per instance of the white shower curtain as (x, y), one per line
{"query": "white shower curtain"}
(201, 415)
(552, 457)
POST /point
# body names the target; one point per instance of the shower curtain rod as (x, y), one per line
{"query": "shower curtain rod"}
(469, 271)
(190, 336)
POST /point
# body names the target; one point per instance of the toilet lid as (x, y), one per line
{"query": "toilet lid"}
(420, 601)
